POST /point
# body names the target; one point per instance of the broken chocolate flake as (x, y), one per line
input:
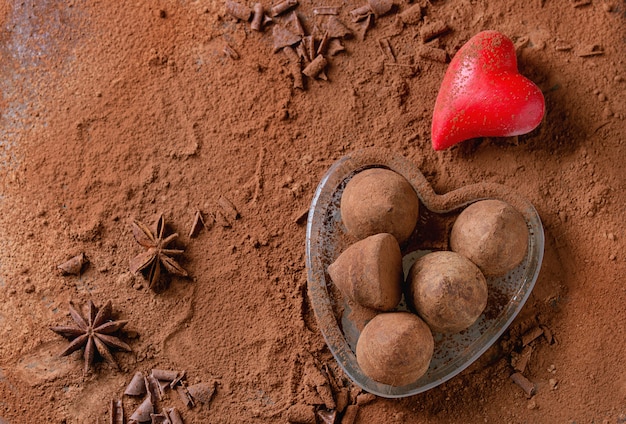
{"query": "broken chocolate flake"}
(154, 390)
(197, 224)
(283, 37)
(308, 43)
(143, 411)
(321, 49)
(589, 51)
(228, 208)
(380, 7)
(161, 418)
(202, 392)
(337, 29)
(335, 47)
(137, 386)
(349, 417)
(327, 417)
(366, 25)
(184, 396)
(178, 379)
(293, 24)
(175, 416)
(73, 266)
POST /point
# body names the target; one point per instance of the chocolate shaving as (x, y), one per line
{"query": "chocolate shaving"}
(412, 15)
(73, 266)
(434, 54)
(184, 396)
(349, 417)
(593, 50)
(178, 379)
(202, 392)
(257, 18)
(523, 359)
(175, 416)
(161, 418)
(197, 224)
(385, 48)
(283, 7)
(116, 412)
(230, 52)
(327, 417)
(293, 24)
(326, 10)
(315, 68)
(238, 10)
(321, 49)
(154, 390)
(228, 208)
(527, 386)
(360, 13)
(143, 411)
(531, 335)
(166, 375)
(283, 38)
(433, 30)
(137, 386)
(335, 47)
(380, 7)
(337, 29)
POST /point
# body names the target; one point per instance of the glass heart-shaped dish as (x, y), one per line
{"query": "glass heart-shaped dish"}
(326, 238)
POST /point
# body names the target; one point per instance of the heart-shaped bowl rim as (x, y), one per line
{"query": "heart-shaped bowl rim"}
(454, 352)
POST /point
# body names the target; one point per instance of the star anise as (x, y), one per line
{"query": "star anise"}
(94, 334)
(156, 253)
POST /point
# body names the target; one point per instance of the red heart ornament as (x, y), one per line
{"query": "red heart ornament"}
(484, 95)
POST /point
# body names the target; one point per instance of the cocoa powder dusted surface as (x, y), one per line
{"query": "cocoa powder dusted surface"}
(115, 111)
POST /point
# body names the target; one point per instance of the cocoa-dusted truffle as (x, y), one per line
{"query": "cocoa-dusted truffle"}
(378, 200)
(395, 348)
(447, 290)
(492, 234)
(369, 272)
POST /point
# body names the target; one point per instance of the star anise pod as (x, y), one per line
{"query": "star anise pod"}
(93, 333)
(156, 253)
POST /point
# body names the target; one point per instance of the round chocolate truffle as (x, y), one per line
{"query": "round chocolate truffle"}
(447, 290)
(378, 200)
(395, 348)
(492, 234)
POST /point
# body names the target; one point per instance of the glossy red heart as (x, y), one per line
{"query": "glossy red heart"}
(484, 95)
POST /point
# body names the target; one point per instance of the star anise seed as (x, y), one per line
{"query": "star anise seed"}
(156, 254)
(94, 334)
